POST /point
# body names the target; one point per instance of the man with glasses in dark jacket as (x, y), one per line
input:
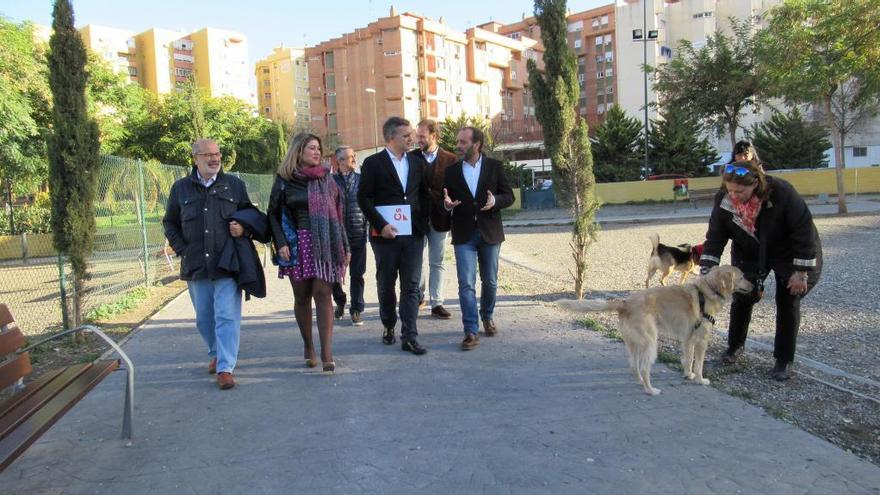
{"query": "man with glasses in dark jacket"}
(197, 224)
(356, 228)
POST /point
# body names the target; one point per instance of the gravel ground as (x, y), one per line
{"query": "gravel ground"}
(840, 324)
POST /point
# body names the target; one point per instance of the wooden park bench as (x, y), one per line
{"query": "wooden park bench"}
(33, 408)
(695, 195)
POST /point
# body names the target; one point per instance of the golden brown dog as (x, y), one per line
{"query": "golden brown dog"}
(664, 259)
(686, 312)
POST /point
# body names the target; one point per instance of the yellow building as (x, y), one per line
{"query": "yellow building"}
(283, 86)
(116, 46)
(220, 60)
(155, 49)
(159, 59)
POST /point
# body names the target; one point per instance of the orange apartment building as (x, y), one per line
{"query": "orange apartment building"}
(591, 36)
(411, 66)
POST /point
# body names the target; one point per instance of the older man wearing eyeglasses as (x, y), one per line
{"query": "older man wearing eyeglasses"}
(197, 226)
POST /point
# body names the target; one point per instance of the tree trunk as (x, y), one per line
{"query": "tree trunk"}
(78, 293)
(731, 128)
(838, 141)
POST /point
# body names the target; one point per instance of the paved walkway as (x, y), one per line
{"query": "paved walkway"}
(545, 407)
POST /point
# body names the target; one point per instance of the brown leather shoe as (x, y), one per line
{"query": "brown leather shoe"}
(489, 328)
(440, 312)
(225, 380)
(212, 366)
(471, 341)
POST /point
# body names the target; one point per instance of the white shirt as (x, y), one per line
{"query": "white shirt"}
(401, 166)
(472, 174)
(206, 182)
(430, 157)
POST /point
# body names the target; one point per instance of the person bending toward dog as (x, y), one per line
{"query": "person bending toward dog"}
(770, 228)
(308, 227)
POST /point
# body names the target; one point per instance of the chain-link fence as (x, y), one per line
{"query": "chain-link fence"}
(129, 251)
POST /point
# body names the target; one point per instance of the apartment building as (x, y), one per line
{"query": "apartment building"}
(159, 59)
(674, 21)
(411, 66)
(283, 86)
(591, 35)
(116, 46)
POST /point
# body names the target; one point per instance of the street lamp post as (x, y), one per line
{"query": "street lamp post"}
(375, 122)
(639, 35)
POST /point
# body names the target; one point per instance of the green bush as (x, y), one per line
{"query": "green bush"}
(31, 219)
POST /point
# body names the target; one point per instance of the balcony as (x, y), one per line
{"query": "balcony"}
(517, 130)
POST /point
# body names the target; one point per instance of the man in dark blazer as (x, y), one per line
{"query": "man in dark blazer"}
(395, 177)
(438, 159)
(476, 189)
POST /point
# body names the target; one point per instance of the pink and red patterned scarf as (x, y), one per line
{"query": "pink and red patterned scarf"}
(329, 242)
(748, 211)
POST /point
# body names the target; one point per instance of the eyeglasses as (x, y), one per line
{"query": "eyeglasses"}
(209, 155)
(738, 171)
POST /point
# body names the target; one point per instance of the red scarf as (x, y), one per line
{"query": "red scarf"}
(748, 212)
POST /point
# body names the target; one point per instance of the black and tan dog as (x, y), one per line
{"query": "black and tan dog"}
(683, 258)
(685, 313)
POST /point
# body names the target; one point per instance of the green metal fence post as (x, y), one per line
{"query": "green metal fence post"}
(62, 283)
(143, 221)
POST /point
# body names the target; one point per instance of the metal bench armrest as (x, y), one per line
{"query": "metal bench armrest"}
(129, 370)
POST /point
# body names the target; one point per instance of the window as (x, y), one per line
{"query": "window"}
(514, 36)
(267, 110)
(513, 75)
(577, 44)
(132, 71)
(599, 41)
(609, 72)
(331, 102)
(607, 39)
(331, 123)
(266, 83)
(595, 23)
(267, 96)
(600, 109)
(328, 60)
(859, 151)
(576, 26)
(331, 81)
(580, 77)
(265, 70)
(600, 75)
(701, 15)
(604, 20)
(666, 51)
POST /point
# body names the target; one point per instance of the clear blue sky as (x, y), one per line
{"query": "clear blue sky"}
(267, 23)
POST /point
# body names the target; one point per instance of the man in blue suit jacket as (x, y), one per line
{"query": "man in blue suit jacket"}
(395, 177)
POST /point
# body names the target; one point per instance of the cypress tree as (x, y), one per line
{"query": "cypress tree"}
(73, 151)
(556, 93)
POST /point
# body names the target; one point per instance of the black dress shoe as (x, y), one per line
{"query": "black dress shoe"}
(781, 371)
(411, 345)
(388, 337)
(731, 355)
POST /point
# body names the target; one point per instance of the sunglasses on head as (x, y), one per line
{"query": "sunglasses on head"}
(738, 171)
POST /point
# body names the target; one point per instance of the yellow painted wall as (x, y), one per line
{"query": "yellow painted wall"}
(807, 182)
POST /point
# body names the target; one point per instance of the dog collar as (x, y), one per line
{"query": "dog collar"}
(703, 314)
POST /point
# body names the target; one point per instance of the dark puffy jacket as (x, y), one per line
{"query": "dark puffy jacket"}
(355, 221)
(196, 222)
(239, 256)
(792, 239)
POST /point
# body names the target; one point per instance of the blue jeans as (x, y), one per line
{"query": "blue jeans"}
(467, 256)
(218, 318)
(436, 251)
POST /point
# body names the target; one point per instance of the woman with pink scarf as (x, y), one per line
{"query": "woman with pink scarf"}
(770, 228)
(305, 214)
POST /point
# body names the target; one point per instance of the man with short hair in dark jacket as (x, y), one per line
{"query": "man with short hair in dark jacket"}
(356, 229)
(197, 225)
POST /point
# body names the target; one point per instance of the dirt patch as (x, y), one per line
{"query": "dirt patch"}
(64, 352)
